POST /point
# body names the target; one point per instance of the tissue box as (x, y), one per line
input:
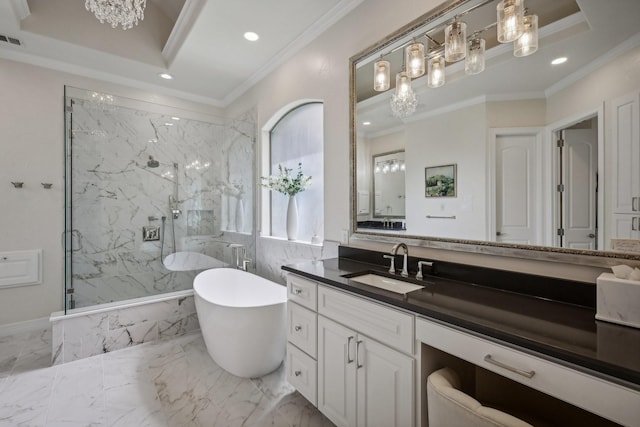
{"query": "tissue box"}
(618, 300)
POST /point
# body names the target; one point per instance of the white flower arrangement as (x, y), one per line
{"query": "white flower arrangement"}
(286, 184)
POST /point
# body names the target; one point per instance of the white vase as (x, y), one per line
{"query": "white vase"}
(240, 215)
(292, 219)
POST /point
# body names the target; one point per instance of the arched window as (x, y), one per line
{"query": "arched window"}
(296, 138)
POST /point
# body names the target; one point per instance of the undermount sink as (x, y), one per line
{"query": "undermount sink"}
(386, 283)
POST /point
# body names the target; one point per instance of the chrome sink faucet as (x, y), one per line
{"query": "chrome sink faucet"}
(405, 249)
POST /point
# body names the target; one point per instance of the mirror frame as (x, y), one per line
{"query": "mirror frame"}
(373, 184)
(542, 253)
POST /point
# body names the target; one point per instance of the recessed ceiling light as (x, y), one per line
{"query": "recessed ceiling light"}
(175, 118)
(168, 124)
(165, 76)
(251, 36)
(366, 123)
(559, 61)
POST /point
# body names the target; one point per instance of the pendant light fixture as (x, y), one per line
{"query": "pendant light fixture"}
(414, 58)
(455, 41)
(404, 100)
(474, 62)
(381, 75)
(125, 13)
(436, 74)
(527, 43)
(510, 16)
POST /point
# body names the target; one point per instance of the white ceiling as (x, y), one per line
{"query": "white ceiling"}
(200, 42)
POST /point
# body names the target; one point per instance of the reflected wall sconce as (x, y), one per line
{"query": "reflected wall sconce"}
(414, 58)
(455, 41)
(527, 43)
(436, 74)
(381, 75)
(510, 16)
(474, 62)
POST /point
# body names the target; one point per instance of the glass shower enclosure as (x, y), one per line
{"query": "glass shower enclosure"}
(153, 195)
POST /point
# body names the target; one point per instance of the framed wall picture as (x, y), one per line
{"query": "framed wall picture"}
(440, 181)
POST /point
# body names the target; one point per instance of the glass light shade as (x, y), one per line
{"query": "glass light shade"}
(455, 41)
(474, 62)
(436, 72)
(510, 16)
(527, 43)
(403, 84)
(414, 58)
(381, 75)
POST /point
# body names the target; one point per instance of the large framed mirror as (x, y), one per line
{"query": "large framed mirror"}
(546, 144)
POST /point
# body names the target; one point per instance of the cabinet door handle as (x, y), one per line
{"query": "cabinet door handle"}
(297, 291)
(634, 204)
(349, 359)
(297, 373)
(634, 223)
(298, 328)
(491, 360)
(358, 364)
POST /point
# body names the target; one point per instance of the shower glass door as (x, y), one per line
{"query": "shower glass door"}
(153, 195)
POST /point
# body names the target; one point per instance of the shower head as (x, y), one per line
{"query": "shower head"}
(152, 163)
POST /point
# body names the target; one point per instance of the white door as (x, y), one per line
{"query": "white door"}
(336, 372)
(580, 165)
(516, 183)
(385, 386)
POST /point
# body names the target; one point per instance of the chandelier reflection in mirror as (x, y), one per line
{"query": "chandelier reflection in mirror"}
(125, 13)
(513, 25)
(390, 166)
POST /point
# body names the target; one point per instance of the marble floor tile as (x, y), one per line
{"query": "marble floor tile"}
(170, 383)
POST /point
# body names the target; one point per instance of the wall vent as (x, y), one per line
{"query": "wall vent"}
(10, 40)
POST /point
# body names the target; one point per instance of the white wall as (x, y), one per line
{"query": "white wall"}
(32, 151)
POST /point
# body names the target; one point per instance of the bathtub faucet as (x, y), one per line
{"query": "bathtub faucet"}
(239, 253)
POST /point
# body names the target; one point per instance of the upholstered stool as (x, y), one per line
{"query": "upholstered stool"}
(450, 407)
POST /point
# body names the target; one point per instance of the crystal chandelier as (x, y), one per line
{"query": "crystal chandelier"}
(404, 100)
(126, 13)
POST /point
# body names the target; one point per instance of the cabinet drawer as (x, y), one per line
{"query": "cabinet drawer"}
(302, 291)
(391, 327)
(302, 373)
(601, 397)
(302, 327)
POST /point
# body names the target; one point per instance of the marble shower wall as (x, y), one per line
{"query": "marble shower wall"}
(116, 190)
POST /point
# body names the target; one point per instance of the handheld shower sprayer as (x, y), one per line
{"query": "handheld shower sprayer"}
(173, 205)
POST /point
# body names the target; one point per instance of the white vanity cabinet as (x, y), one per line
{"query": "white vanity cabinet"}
(596, 395)
(362, 356)
(360, 381)
(302, 340)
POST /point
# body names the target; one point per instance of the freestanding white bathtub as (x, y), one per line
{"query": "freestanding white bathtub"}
(243, 320)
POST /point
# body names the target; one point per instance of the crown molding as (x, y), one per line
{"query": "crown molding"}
(94, 74)
(187, 18)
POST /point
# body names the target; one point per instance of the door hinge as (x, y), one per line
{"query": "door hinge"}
(70, 291)
(560, 188)
(68, 109)
(560, 143)
(560, 231)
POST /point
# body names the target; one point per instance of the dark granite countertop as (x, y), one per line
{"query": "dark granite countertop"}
(563, 332)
